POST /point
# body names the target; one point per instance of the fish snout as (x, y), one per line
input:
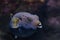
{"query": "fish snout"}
(38, 24)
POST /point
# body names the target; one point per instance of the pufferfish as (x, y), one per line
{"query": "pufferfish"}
(24, 24)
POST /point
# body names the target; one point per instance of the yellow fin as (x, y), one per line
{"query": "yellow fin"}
(15, 22)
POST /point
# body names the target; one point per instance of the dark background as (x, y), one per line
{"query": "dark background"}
(46, 10)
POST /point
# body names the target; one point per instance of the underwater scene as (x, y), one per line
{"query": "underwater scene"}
(29, 19)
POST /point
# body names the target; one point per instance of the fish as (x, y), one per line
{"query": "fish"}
(25, 22)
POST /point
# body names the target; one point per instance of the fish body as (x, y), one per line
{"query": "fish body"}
(25, 23)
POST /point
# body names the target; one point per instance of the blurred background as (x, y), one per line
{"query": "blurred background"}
(47, 10)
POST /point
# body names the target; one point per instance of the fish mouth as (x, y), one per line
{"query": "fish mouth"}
(39, 25)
